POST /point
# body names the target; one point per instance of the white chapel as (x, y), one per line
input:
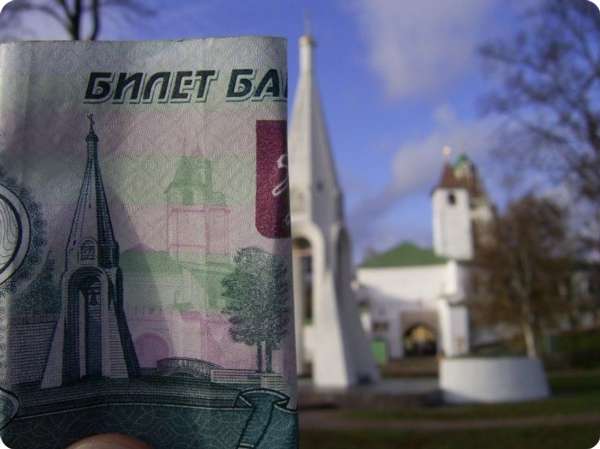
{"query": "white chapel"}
(330, 342)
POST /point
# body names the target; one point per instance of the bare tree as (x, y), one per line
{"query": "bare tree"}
(81, 19)
(522, 273)
(549, 92)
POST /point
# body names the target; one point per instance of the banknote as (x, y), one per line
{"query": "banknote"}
(145, 281)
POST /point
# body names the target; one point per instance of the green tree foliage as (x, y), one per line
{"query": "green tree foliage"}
(258, 307)
(522, 270)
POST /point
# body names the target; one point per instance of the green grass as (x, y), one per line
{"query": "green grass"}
(573, 393)
(568, 437)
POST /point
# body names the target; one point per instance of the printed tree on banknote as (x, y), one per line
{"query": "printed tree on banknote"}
(258, 302)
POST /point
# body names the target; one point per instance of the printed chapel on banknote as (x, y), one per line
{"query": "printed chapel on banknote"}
(145, 278)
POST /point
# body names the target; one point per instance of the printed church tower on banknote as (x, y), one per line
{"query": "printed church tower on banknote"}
(92, 338)
(197, 216)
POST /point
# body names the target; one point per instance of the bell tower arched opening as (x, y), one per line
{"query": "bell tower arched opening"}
(302, 259)
(83, 326)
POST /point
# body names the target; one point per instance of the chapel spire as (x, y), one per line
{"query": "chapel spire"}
(321, 247)
(91, 221)
(91, 137)
(309, 147)
(92, 337)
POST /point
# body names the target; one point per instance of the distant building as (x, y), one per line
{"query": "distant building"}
(413, 298)
(197, 215)
(188, 321)
(461, 210)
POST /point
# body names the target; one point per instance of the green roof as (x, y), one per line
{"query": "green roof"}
(192, 172)
(462, 159)
(406, 254)
(194, 180)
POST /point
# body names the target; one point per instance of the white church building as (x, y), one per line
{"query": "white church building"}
(413, 298)
(409, 300)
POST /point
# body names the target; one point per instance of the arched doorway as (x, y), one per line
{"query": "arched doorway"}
(84, 309)
(303, 255)
(343, 265)
(302, 260)
(420, 340)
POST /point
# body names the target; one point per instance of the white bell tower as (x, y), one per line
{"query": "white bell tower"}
(461, 209)
(452, 232)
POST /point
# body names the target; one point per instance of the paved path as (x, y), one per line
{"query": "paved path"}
(332, 420)
(395, 387)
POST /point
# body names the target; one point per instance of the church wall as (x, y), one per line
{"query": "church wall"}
(454, 324)
(391, 332)
(394, 335)
(406, 284)
(455, 281)
(397, 295)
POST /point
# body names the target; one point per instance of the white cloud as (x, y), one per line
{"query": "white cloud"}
(417, 164)
(419, 47)
(416, 167)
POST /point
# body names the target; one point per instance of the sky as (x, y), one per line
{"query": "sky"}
(399, 79)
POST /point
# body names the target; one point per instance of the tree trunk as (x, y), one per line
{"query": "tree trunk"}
(259, 357)
(76, 21)
(530, 341)
(269, 353)
(95, 20)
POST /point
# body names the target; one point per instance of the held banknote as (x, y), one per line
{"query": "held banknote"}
(145, 279)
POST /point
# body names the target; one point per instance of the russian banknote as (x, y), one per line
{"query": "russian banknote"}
(144, 244)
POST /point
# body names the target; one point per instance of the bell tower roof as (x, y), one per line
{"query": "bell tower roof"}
(462, 174)
(448, 179)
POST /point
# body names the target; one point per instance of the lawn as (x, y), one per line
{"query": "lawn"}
(575, 437)
(574, 393)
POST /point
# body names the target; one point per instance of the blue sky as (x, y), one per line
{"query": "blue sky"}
(399, 80)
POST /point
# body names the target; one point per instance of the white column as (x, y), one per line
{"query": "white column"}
(298, 310)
